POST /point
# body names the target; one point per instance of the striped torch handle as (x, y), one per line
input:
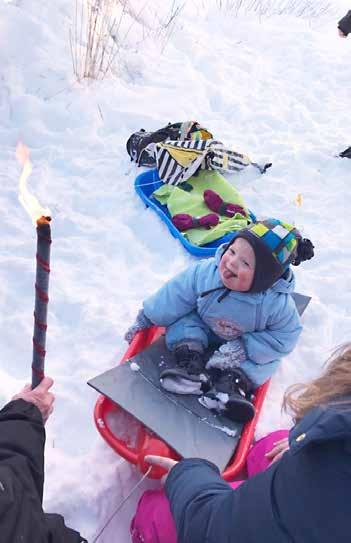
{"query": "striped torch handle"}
(41, 299)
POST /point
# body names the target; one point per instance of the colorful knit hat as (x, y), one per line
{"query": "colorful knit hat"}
(276, 245)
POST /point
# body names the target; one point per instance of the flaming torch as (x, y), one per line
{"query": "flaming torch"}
(41, 219)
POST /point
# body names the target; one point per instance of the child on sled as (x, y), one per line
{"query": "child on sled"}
(238, 302)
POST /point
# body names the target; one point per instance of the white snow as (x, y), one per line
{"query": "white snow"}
(277, 88)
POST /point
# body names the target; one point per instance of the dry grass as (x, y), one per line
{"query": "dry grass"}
(297, 8)
(100, 31)
(96, 23)
(167, 24)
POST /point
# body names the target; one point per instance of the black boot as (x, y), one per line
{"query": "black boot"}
(192, 361)
(231, 395)
(189, 375)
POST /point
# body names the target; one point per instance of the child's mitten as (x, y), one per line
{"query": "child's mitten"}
(141, 322)
(183, 221)
(228, 356)
(215, 203)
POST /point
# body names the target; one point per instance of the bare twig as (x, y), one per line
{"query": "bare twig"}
(298, 8)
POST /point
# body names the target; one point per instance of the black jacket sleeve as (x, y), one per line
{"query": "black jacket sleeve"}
(22, 440)
(345, 23)
(200, 501)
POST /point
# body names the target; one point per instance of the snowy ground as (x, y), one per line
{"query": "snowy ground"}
(278, 88)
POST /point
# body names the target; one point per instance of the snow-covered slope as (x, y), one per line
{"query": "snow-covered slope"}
(277, 88)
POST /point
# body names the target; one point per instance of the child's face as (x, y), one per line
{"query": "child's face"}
(237, 266)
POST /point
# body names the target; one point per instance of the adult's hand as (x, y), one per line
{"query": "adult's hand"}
(39, 396)
(164, 462)
(280, 447)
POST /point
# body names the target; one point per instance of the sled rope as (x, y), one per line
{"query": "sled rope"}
(120, 505)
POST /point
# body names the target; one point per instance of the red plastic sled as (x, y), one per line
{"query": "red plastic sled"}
(149, 443)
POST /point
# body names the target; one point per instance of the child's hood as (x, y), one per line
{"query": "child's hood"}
(285, 285)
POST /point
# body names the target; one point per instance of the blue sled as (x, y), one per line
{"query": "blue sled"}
(145, 184)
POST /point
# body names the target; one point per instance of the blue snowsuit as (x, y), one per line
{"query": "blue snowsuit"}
(267, 323)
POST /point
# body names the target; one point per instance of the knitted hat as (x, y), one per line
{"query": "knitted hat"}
(276, 245)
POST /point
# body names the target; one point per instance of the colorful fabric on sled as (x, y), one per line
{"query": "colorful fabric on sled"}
(226, 159)
(176, 165)
(279, 237)
(181, 201)
(141, 144)
(192, 130)
(177, 161)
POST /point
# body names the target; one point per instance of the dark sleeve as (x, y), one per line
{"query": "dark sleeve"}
(345, 23)
(200, 502)
(22, 440)
(58, 530)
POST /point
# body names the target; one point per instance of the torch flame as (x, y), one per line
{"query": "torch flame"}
(29, 202)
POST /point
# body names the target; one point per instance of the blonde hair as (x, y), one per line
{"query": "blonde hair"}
(331, 387)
